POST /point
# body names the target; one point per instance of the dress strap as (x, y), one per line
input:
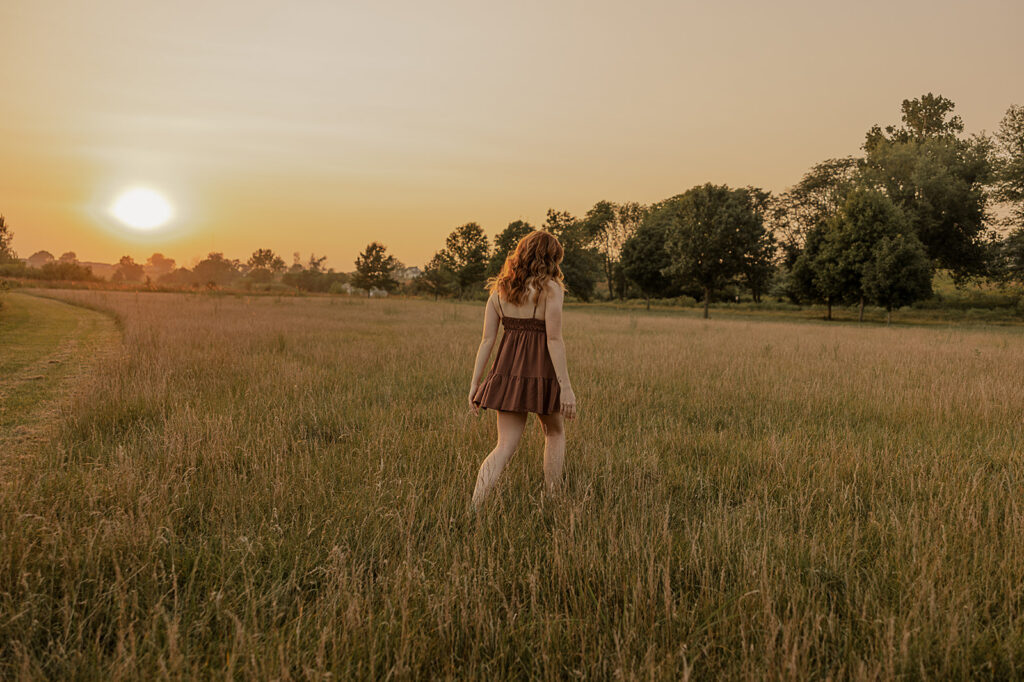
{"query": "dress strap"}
(535, 302)
(498, 299)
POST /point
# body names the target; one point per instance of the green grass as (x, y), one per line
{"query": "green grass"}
(279, 488)
(43, 343)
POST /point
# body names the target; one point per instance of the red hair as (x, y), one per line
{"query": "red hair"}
(533, 263)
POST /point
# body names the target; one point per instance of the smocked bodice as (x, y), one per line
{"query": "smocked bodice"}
(526, 324)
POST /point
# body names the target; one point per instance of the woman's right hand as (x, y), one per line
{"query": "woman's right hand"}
(568, 399)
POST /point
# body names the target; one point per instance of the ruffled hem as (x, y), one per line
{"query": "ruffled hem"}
(519, 394)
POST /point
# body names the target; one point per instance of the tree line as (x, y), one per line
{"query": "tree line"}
(869, 229)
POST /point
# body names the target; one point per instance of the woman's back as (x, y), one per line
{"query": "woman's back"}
(532, 306)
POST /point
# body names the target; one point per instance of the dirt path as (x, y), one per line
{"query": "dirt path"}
(47, 349)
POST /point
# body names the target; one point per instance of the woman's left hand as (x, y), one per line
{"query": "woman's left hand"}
(473, 407)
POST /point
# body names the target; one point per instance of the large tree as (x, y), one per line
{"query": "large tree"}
(1009, 154)
(7, 254)
(868, 234)
(793, 214)
(644, 260)
(505, 243)
(898, 273)
(938, 178)
(711, 229)
(581, 265)
(465, 255)
(608, 226)
(375, 269)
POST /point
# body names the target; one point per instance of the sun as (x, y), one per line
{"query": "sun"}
(142, 209)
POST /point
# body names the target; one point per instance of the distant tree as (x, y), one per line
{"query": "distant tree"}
(645, 259)
(296, 265)
(711, 229)
(898, 273)
(608, 226)
(7, 254)
(581, 265)
(436, 278)
(317, 264)
(759, 259)
(1009, 155)
(504, 244)
(216, 270)
(68, 257)
(263, 264)
(466, 255)
(938, 178)
(1012, 256)
(40, 258)
(128, 270)
(374, 269)
(845, 248)
(66, 271)
(819, 194)
(158, 265)
(266, 259)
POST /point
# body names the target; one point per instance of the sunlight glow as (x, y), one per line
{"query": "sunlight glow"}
(142, 209)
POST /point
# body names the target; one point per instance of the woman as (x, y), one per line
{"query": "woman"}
(529, 372)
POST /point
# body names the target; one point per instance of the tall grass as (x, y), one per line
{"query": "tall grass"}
(279, 488)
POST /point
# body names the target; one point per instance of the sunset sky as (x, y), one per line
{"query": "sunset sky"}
(320, 126)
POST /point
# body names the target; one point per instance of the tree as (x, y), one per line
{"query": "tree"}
(608, 226)
(1012, 256)
(938, 179)
(1009, 154)
(465, 254)
(711, 229)
(374, 268)
(505, 243)
(436, 278)
(819, 194)
(644, 260)
(68, 257)
(216, 270)
(7, 254)
(128, 270)
(759, 260)
(266, 259)
(317, 264)
(811, 272)
(841, 252)
(263, 264)
(40, 258)
(898, 273)
(581, 264)
(158, 265)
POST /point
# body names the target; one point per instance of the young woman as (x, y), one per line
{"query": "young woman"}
(529, 373)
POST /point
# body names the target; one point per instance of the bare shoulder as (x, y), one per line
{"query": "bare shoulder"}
(553, 291)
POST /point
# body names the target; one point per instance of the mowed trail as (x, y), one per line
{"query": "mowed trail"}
(47, 348)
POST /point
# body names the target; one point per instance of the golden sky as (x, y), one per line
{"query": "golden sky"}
(320, 126)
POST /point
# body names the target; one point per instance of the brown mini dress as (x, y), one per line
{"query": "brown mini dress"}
(522, 378)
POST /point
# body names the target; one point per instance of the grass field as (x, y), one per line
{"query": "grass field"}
(279, 488)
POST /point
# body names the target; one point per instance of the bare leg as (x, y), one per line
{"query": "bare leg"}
(510, 430)
(554, 449)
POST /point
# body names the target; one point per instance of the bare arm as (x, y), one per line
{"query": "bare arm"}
(483, 352)
(556, 347)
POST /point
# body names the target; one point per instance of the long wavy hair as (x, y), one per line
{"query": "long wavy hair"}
(534, 261)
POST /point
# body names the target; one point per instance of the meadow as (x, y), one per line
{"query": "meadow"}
(278, 488)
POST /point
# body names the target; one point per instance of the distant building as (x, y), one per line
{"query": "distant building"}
(407, 274)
